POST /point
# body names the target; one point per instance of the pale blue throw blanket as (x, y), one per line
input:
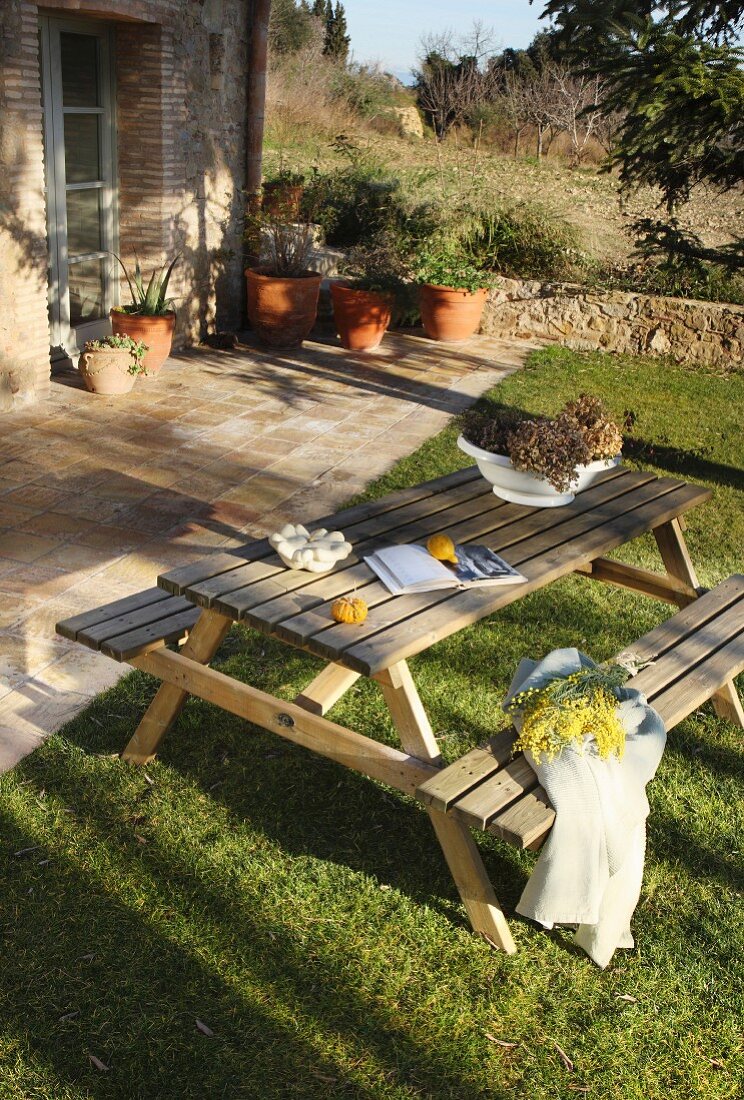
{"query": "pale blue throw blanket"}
(591, 867)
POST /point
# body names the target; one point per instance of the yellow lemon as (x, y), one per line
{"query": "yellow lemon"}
(442, 548)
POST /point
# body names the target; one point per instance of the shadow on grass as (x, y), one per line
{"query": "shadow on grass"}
(139, 962)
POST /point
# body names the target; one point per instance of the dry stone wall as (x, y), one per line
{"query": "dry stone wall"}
(706, 333)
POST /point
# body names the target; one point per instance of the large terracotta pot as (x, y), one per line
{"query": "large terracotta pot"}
(361, 316)
(156, 332)
(523, 487)
(107, 371)
(282, 311)
(450, 315)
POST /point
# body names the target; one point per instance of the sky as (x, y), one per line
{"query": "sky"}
(389, 31)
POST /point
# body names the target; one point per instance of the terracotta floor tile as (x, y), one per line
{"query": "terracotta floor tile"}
(21, 547)
(40, 579)
(82, 559)
(56, 525)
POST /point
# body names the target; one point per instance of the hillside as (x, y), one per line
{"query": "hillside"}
(586, 197)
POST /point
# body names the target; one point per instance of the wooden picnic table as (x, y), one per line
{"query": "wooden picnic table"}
(251, 585)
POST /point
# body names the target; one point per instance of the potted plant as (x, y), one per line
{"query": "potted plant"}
(282, 290)
(112, 365)
(453, 292)
(150, 317)
(363, 301)
(543, 461)
(282, 194)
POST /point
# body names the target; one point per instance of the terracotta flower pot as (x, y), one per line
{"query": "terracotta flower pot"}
(361, 316)
(281, 199)
(107, 371)
(282, 311)
(450, 315)
(156, 332)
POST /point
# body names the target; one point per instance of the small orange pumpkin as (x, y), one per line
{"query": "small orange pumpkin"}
(349, 609)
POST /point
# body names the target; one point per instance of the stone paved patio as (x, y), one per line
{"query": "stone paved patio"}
(98, 495)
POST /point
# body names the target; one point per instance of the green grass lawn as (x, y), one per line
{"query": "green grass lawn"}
(305, 915)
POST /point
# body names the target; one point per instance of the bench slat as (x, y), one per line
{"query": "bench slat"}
(140, 641)
(694, 654)
(467, 772)
(696, 614)
(153, 614)
(69, 628)
(525, 823)
(696, 687)
(506, 785)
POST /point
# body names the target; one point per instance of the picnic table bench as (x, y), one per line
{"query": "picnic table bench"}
(693, 657)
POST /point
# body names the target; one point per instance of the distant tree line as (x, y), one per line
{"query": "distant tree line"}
(296, 23)
(463, 81)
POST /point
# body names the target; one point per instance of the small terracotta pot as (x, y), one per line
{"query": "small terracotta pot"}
(362, 317)
(282, 311)
(450, 315)
(107, 371)
(156, 332)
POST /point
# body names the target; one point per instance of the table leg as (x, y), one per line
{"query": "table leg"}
(201, 645)
(676, 557)
(459, 848)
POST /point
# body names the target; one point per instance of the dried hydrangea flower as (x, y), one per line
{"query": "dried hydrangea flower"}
(589, 414)
(549, 448)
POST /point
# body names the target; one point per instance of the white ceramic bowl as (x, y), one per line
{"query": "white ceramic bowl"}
(520, 487)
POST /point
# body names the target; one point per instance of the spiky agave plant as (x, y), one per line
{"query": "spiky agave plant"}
(151, 300)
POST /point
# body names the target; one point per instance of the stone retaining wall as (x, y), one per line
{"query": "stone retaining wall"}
(708, 333)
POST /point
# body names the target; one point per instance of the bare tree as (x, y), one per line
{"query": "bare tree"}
(576, 109)
(454, 77)
(515, 100)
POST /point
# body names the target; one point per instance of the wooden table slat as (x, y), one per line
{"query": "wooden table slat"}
(433, 623)
(501, 529)
(519, 542)
(238, 589)
(179, 579)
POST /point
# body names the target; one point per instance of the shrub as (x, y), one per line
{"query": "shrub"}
(356, 203)
(680, 278)
(523, 242)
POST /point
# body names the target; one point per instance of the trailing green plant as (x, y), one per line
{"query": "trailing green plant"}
(523, 241)
(449, 265)
(149, 300)
(136, 349)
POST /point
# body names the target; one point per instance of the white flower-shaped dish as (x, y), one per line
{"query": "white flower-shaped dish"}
(316, 551)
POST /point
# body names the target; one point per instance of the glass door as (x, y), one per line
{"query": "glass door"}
(80, 181)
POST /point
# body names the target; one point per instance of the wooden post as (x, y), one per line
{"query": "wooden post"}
(459, 848)
(258, 50)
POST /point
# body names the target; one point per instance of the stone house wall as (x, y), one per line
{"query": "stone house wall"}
(180, 73)
(708, 333)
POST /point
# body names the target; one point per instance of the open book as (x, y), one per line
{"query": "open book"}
(412, 569)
